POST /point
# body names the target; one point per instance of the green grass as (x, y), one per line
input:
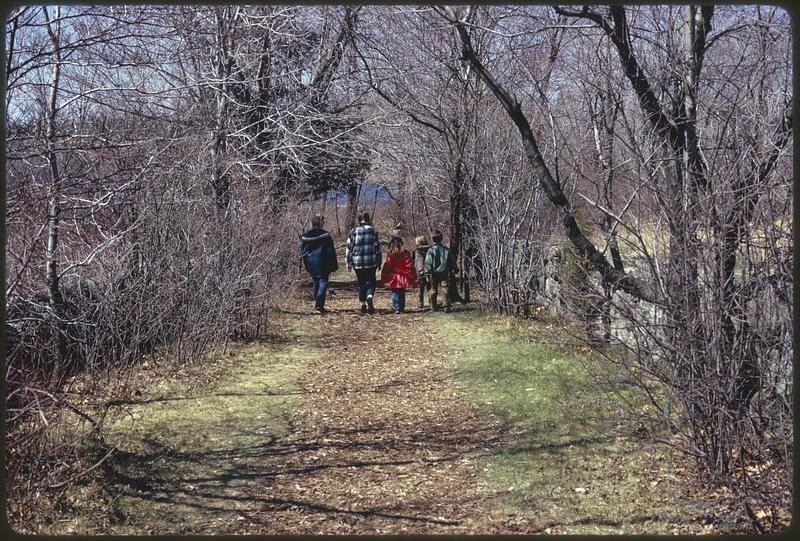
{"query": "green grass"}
(779, 232)
(566, 434)
(182, 462)
(186, 443)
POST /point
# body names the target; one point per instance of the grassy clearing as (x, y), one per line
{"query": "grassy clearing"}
(186, 450)
(571, 467)
(656, 238)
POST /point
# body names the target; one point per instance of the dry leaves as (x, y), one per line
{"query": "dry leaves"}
(383, 441)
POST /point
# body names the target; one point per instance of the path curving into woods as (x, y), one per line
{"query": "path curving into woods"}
(379, 439)
(385, 444)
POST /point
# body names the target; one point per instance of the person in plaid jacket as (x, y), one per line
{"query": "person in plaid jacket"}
(363, 254)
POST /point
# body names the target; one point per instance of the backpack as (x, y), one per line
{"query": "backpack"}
(330, 254)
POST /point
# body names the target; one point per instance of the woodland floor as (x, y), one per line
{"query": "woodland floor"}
(342, 423)
(375, 440)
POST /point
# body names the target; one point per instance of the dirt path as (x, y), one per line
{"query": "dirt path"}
(384, 443)
(376, 439)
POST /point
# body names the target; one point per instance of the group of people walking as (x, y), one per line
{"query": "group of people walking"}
(430, 267)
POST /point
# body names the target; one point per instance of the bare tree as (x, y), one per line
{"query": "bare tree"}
(113, 249)
(160, 160)
(698, 337)
(423, 80)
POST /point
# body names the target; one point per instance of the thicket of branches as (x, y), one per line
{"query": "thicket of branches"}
(629, 168)
(159, 164)
(632, 167)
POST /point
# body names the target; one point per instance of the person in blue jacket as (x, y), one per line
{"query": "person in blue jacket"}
(319, 258)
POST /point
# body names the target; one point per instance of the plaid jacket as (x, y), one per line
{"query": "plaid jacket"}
(363, 250)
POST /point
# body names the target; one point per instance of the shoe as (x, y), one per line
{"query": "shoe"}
(320, 309)
(363, 308)
(397, 311)
(446, 309)
(370, 308)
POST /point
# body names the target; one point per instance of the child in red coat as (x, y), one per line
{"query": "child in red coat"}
(398, 273)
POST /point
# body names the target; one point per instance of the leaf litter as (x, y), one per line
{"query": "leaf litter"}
(383, 443)
(369, 436)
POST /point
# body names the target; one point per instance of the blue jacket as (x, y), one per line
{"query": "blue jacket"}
(439, 259)
(319, 254)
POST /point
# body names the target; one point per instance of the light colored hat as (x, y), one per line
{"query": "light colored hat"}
(421, 240)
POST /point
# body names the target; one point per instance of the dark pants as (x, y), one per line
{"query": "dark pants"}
(423, 285)
(436, 280)
(320, 289)
(366, 283)
(399, 298)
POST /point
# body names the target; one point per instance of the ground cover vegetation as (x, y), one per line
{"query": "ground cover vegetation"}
(577, 463)
(626, 170)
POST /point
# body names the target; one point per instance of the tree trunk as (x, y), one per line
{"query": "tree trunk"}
(413, 217)
(220, 182)
(55, 298)
(456, 226)
(456, 197)
(336, 214)
(352, 206)
(628, 283)
(427, 217)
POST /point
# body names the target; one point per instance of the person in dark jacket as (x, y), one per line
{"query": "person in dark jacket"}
(364, 255)
(439, 265)
(319, 258)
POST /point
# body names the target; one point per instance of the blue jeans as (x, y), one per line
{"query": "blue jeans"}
(399, 298)
(320, 289)
(366, 283)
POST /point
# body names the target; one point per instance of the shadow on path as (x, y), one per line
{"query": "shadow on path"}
(375, 438)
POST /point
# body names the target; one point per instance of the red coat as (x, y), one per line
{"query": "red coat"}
(398, 271)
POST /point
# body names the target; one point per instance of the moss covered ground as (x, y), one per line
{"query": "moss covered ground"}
(569, 463)
(185, 451)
